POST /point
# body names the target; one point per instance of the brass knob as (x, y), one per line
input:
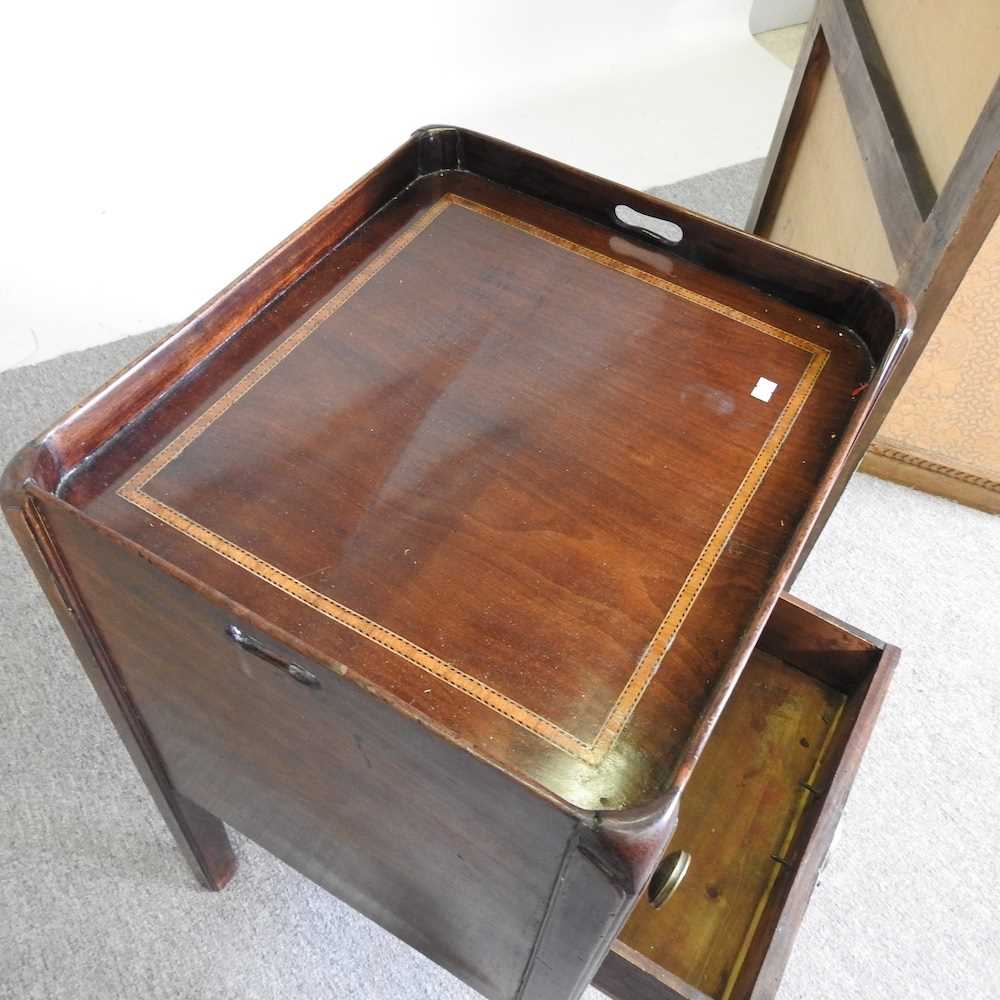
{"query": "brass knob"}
(668, 877)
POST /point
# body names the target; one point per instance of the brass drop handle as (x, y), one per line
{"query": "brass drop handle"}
(252, 645)
(668, 876)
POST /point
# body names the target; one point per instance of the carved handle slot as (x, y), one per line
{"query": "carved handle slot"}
(252, 645)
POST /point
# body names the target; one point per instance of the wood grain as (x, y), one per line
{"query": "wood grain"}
(896, 171)
(199, 835)
(334, 782)
(736, 822)
(759, 833)
(654, 648)
(827, 157)
(397, 459)
(473, 417)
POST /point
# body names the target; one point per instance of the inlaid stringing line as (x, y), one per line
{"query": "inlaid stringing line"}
(634, 272)
(621, 711)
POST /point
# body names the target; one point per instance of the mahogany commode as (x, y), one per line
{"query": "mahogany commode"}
(443, 555)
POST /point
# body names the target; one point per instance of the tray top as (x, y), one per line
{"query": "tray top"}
(526, 474)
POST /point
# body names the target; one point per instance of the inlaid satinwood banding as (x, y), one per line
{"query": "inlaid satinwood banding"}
(624, 705)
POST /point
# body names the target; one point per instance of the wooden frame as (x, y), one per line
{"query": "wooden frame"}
(134, 492)
(639, 966)
(933, 237)
(238, 711)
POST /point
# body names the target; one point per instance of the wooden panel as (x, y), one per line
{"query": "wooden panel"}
(586, 912)
(758, 835)
(628, 975)
(931, 72)
(827, 208)
(819, 644)
(795, 111)
(502, 471)
(736, 821)
(201, 837)
(442, 849)
(902, 190)
(770, 950)
(943, 59)
(492, 467)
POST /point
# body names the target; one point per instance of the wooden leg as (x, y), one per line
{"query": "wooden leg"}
(200, 835)
(203, 841)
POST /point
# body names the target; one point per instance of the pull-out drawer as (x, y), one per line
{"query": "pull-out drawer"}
(758, 816)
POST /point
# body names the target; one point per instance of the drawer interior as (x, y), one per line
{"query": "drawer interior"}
(739, 817)
(756, 816)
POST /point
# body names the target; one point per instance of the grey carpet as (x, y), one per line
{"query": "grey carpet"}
(96, 903)
(724, 194)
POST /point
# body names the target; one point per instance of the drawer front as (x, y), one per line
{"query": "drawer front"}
(445, 851)
(758, 816)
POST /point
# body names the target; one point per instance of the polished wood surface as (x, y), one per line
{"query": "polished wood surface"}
(331, 780)
(200, 836)
(430, 551)
(508, 475)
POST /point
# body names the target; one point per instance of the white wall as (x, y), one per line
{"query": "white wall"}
(767, 15)
(152, 152)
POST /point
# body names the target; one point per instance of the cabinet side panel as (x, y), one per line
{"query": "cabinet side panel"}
(445, 851)
(200, 836)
